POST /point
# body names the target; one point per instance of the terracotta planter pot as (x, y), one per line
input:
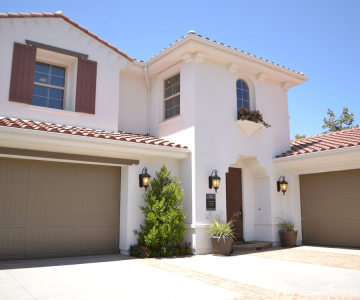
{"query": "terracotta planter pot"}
(222, 246)
(288, 238)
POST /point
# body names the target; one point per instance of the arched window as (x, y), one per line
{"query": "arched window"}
(242, 94)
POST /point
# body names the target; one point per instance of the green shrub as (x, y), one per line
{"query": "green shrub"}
(164, 225)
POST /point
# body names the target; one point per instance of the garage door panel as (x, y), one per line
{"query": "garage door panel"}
(317, 184)
(13, 205)
(348, 182)
(317, 233)
(102, 179)
(13, 173)
(347, 233)
(98, 239)
(52, 176)
(347, 207)
(51, 206)
(12, 241)
(330, 208)
(53, 240)
(54, 209)
(93, 208)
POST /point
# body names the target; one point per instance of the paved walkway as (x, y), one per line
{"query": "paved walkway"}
(277, 273)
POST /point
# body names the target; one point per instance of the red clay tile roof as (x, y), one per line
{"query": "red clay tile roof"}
(61, 15)
(323, 142)
(225, 46)
(100, 134)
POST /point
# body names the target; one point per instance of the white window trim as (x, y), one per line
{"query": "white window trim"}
(64, 104)
(161, 76)
(170, 97)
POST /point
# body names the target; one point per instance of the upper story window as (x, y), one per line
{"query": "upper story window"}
(172, 96)
(44, 84)
(242, 94)
(49, 85)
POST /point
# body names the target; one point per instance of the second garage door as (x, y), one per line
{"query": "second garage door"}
(58, 209)
(330, 208)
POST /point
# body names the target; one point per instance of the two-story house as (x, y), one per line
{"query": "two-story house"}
(80, 120)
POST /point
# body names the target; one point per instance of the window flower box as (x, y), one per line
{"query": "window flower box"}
(250, 121)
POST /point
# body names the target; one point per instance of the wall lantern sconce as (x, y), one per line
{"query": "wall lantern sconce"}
(282, 185)
(214, 181)
(144, 179)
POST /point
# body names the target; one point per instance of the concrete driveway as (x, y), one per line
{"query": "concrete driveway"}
(298, 273)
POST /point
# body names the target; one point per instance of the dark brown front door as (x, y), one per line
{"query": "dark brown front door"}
(234, 200)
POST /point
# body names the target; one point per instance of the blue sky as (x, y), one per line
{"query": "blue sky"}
(319, 38)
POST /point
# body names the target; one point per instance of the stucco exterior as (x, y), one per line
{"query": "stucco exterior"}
(129, 97)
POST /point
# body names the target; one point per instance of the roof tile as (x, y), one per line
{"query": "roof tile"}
(323, 142)
(87, 132)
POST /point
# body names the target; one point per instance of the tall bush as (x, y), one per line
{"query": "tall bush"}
(164, 220)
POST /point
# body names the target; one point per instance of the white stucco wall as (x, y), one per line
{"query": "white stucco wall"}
(207, 125)
(59, 33)
(133, 101)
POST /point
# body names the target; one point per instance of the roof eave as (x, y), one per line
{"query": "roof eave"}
(226, 49)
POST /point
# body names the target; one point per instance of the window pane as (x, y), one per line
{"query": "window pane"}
(177, 110)
(54, 103)
(246, 104)
(168, 92)
(41, 91)
(58, 71)
(55, 93)
(176, 79)
(169, 104)
(176, 89)
(168, 114)
(57, 81)
(168, 83)
(245, 95)
(42, 78)
(238, 84)
(43, 68)
(239, 104)
(177, 100)
(40, 101)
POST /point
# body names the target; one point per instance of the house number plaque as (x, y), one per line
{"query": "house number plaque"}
(210, 202)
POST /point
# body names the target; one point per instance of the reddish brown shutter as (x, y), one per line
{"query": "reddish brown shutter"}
(22, 74)
(86, 86)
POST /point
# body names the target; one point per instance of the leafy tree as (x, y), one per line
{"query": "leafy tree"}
(298, 136)
(345, 121)
(164, 220)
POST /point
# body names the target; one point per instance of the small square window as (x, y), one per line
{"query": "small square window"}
(49, 85)
(172, 96)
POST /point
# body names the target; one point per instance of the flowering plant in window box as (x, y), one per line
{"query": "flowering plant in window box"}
(252, 115)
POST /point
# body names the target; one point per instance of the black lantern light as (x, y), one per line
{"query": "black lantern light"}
(282, 185)
(144, 179)
(214, 181)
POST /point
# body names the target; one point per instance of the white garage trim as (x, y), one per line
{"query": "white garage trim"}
(62, 143)
(323, 161)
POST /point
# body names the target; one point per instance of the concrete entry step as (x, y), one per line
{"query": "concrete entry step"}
(252, 245)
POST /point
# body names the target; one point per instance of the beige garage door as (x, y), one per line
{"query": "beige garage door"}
(57, 209)
(330, 208)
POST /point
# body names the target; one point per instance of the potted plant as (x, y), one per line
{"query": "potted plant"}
(252, 115)
(288, 235)
(221, 234)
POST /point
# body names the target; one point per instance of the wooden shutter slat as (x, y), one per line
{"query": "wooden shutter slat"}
(22, 74)
(86, 86)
